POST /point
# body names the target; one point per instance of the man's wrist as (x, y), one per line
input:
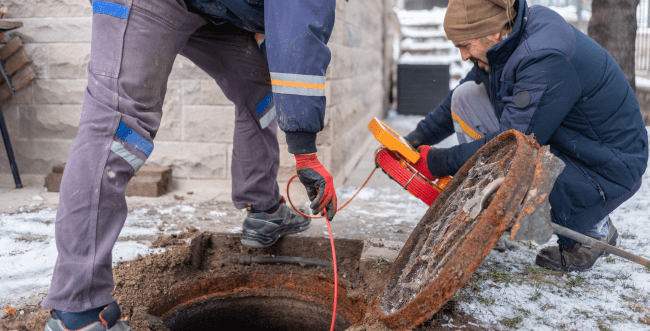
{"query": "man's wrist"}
(436, 161)
(301, 142)
(415, 138)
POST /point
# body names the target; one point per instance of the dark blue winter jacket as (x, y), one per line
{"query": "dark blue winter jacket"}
(293, 35)
(580, 104)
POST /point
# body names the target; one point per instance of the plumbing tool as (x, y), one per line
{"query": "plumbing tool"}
(396, 158)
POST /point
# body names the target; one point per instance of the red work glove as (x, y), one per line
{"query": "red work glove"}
(318, 183)
(428, 162)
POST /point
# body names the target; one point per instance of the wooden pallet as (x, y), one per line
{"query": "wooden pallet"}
(12, 80)
(15, 59)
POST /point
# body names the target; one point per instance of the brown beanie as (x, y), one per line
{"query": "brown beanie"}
(471, 19)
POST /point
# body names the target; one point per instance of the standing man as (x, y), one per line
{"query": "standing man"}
(535, 73)
(268, 56)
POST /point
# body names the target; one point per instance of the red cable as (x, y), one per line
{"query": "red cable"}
(329, 229)
(336, 280)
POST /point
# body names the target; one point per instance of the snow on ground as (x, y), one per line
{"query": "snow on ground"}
(28, 248)
(509, 289)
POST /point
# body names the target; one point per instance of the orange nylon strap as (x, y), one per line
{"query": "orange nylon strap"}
(466, 128)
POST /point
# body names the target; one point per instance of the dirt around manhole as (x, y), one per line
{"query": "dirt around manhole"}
(152, 290)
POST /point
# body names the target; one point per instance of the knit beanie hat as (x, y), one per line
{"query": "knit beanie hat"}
(471, 19)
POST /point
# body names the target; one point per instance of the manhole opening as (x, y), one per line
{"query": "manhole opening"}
(257, 301)
(254, 313)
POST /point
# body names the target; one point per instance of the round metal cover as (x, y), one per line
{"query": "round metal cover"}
(453, 239)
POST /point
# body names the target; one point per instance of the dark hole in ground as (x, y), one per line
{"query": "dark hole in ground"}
(254, 313)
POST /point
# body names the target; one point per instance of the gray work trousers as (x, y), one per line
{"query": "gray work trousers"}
(134, 44)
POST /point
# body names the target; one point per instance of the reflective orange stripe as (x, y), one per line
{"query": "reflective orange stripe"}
(466, 128)
(297, 84)
(257, 38)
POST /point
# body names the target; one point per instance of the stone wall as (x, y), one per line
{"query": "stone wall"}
(195, 137)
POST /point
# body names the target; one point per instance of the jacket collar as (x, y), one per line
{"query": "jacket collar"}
(500, 53)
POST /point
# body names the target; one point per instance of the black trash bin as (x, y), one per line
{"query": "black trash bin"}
(421, 87)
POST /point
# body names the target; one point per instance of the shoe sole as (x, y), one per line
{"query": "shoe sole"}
(255, 239)
(550, 264)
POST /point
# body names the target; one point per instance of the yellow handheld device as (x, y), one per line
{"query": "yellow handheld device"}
(392, 140)
(397, 157)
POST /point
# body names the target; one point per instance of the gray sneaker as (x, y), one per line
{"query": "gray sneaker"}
(263, 230)
(577, 257)
(110, 320)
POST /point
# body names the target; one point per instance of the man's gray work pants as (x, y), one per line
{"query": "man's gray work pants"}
(134, 44)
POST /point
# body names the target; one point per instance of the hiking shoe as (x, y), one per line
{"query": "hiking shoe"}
(263, 230)
(109, 319)
(577, 257)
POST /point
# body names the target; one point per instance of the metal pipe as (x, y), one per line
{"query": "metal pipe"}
(599, 244)
(278, 259)
(10, 151)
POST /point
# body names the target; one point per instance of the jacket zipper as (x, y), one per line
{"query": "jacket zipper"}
(593, 182)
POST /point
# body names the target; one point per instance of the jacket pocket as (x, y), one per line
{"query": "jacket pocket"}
(172, 14)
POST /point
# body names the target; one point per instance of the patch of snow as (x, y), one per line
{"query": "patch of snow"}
(235, 230)
(415, 32)
(218, 213)
(641, 81)
(29, 250)
(435, 16)
(430, 45)
(610, 294)
(570, 13)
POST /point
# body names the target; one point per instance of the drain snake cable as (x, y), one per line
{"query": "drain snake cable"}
(329, 229)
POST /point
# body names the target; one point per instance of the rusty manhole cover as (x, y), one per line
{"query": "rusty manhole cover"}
(458, 231)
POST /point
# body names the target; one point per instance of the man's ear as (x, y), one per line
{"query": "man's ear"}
(495, 37)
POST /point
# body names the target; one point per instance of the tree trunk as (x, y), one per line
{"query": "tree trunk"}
(613, 26)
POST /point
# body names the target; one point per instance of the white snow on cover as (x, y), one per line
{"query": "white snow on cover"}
(613, 294)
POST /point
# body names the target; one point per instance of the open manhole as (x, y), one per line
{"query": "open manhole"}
(458, 231)
(258, 298)
(257, 302)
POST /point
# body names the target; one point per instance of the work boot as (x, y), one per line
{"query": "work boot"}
(262, 229)
(107, 319)
(577, 257)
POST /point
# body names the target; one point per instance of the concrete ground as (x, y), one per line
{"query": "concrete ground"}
(383, 213)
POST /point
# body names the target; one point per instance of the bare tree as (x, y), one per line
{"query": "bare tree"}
(613, 26)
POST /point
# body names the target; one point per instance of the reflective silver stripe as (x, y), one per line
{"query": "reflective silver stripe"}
(261, 40)
(311, 79)
(133, 160)
(266, 119)
(298, 91)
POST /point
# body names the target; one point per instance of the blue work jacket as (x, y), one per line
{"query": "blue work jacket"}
(577, 100)
(293, 34)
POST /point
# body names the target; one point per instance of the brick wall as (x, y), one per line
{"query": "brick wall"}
(195, 136)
